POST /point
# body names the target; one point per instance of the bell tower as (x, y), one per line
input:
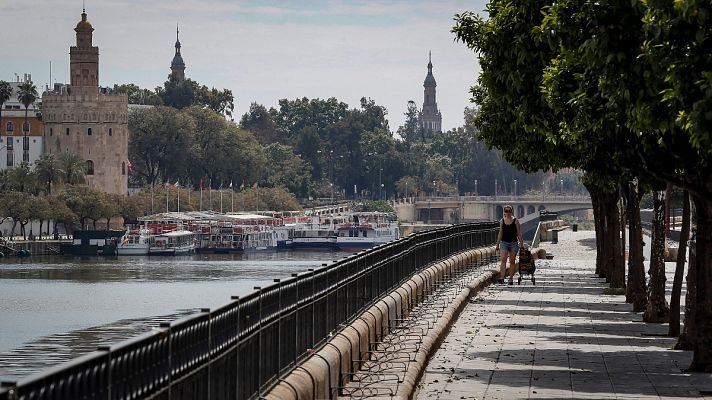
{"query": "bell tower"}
(430, 117)
(84, 58)
(177, 65)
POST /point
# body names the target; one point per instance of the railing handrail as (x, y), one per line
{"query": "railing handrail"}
(238, 341)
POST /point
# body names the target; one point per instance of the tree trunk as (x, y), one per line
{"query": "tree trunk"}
(702, 321)
(657, 309)
(684, 342)
(12, 231)
(624, 222)
(598, 226)
(617, 268)
(674, 328)
(636, 291)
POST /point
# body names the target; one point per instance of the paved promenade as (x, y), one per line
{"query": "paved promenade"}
(559, 339)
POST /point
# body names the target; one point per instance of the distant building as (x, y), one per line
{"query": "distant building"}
(19, 144)
(430, 117)
(177, 65)
(87, 120)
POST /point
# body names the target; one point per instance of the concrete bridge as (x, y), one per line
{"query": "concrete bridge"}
(456, 209)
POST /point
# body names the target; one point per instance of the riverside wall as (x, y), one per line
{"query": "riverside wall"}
(328, 368)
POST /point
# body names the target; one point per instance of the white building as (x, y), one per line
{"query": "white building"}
(20, 144)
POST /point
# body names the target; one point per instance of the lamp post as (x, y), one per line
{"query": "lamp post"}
(380, 185)
(515, 188)
(542, 190)
(475, 187)
(435, 190)
(331, 174)
(406, 191)
(562, 187)
(495, 189)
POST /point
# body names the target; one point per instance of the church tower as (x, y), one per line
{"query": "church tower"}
(177, 65)
(84, 58)
(87, 120)
(430, 117)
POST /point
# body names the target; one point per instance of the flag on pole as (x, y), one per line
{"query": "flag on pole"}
(128, 164)
(176, 185)
(254, 185)
(230, 185)
(221, 185)
(201, 183)
(242, 185)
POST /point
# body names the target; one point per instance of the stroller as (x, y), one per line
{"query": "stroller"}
(525, 266)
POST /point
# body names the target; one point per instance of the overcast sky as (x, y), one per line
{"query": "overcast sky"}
(261, 50)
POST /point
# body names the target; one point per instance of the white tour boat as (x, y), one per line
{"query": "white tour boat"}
(367, 229)
(135, 242)
(173, 243)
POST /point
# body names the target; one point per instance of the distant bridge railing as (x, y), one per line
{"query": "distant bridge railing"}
(548, 197)
(242, 348)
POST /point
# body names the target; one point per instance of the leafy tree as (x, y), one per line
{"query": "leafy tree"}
(160, 139)
(60, 213)
(222, 152)
(407, 186)
(373, 206)
(410, 131)
(14, 204)
(285, 169)
(27, 94)
(84, 201)
(187, 93)
(260, 122)
(137, 95)
(625, 88)
(275, 199)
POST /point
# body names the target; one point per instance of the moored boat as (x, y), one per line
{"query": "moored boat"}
(177, 242)
(135, 242)
(366, 230)
(318, 234)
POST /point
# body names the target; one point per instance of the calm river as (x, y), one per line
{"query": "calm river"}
(55, 308)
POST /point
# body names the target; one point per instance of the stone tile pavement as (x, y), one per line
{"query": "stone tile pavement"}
(558, 339)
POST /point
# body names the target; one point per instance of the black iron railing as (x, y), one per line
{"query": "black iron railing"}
(243, 347)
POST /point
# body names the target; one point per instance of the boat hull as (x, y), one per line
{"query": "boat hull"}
(218, 250)
(132, 250)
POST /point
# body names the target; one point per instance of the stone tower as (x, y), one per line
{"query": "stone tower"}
(177, 65)
(430, 117)
(86, 120)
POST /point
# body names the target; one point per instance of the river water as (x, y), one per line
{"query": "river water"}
(55, 308)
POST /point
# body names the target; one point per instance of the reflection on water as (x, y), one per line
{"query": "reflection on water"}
(53, 309)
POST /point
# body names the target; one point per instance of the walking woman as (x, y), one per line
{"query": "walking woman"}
(508, 241)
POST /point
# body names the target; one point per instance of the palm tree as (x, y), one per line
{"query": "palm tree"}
(48, 171)
(27, 94)
(72, 168)
(5, 93)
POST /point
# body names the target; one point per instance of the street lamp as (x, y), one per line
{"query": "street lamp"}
(515, 188)
(380, 194)
(542, 190)
(435, 189)
(475, 187)
(562, 187)
(495, 188)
